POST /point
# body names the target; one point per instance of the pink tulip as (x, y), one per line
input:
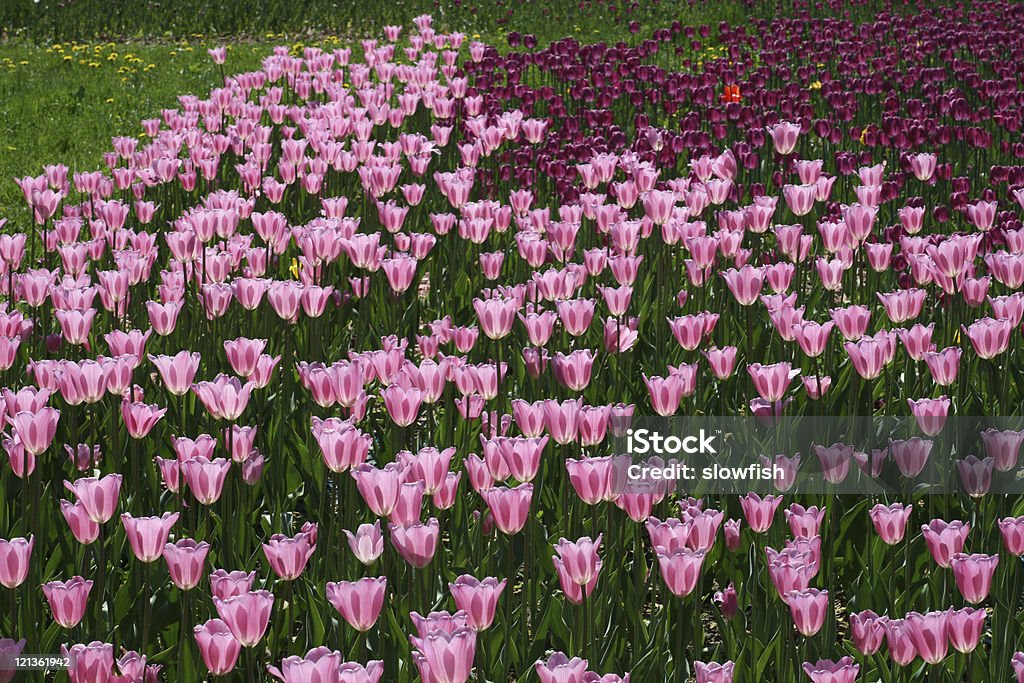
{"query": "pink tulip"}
(771, 381)
(97, 496)
(478, 599)
(666, 393)
(218, 646)
(89, 663)
(900, 641)
(973, 574)
(403, 405)
(714, 672)
(226, 585)
(680, 569)
(148, 535)
(890, 522)
(989, 337)
(928, 632)
(744, 284)
(576, 315)
(36, 430)
(416, 543)
(578, 566)
(84, 529)
(869, 356)
(562, 420)
(246, 615)
(784, 136)
(15, 556)
(964, 628)
(343, 448)
(9, 649)
(320, 664)
(804, 522)
(1012, 531)
(447, 656)
(828, 671)
(731, 531)
(759, 512)
(359, 602)
(205, 478)
(185, 560)
(800, 198)
(835, 461)
(438, 621)
(945, 540)
(509, 506)
(177, 371)
(140, 418)
(975, 475)
(288, 556)
(164, 316)
(367, 543)
(244, 354)
(67, 600)
(727, 601)
(808, 609)
(922, 166)
(591, 478)
(573, 371)
(943, 365)
(352, 672)
(1003, 447)
(83, 456)
(378, 487)
(867, 630)
(496, 315)
(911, 455)
(225, 398)
(560, 669)
(75, 325)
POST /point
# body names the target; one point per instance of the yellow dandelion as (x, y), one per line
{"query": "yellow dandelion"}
(110, 100)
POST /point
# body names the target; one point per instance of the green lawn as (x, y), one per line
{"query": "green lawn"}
(63, 102)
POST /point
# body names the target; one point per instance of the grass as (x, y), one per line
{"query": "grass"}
(63, 102)
(63, 20)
